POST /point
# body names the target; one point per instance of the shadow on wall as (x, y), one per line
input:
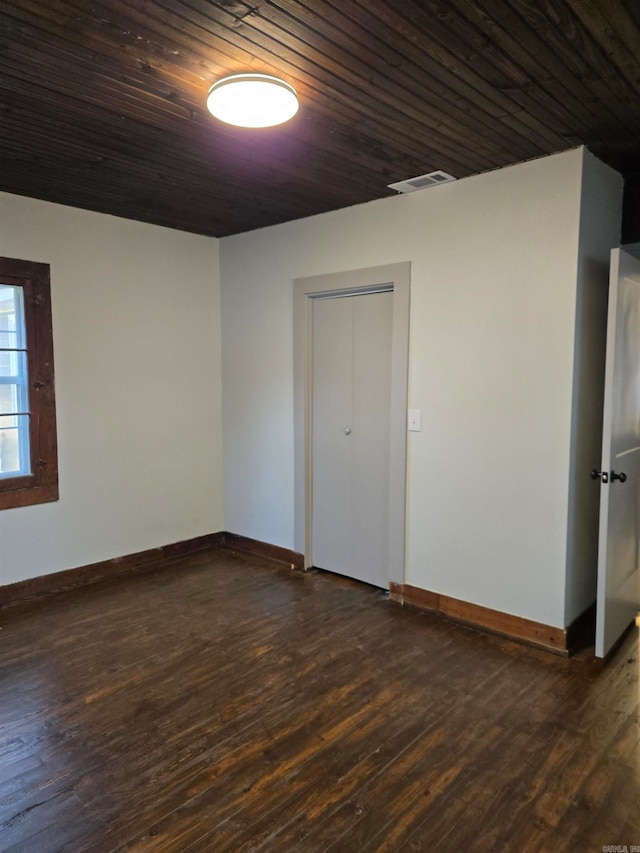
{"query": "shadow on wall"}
(631, 213)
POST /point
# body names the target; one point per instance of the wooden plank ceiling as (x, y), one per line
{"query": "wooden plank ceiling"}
(102, 104)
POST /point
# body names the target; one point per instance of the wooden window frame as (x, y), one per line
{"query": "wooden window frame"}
(41, 485)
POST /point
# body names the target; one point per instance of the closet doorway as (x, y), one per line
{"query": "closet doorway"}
(351, 334)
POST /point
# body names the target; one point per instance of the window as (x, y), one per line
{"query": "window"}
(28, 447)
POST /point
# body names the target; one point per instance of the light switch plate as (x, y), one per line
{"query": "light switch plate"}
(415, 420)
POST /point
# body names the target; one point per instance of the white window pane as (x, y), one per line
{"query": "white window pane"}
(14, 445)
(13, 365)
(9, 397)
(12, 316)
(14, 394)
(8, 340)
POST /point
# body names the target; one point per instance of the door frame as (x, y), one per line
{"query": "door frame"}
(352, 283)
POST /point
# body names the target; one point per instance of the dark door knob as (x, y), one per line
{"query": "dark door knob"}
(621, 476)
(600, 475)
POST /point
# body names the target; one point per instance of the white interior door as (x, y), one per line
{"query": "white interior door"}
(351, 402)
(619, 543)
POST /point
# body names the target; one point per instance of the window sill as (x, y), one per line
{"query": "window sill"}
(28, 496)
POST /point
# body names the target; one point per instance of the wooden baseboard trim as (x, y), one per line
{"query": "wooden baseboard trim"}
(560, 641)
(154, 558)
(235, 542)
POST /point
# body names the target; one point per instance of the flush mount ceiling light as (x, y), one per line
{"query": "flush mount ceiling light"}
(252, 100)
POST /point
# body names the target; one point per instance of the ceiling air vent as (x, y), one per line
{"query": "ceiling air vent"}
(422, 181)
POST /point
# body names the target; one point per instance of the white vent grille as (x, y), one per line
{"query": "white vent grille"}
(422, 181)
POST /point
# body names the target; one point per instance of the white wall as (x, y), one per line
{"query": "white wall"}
(494, 265)
(600, 227)
(137, 359)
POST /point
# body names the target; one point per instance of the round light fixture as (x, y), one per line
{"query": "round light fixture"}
(252, 100)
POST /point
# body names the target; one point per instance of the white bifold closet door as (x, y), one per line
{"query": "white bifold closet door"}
(350, 401)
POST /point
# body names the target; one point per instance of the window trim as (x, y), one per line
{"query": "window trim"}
(41, 486)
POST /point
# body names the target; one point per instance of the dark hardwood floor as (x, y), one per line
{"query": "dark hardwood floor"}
(226, 704)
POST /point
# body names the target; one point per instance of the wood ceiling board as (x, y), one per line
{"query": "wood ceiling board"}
(102, 104)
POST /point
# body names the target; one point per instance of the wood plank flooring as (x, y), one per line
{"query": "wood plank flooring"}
(229, 704)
